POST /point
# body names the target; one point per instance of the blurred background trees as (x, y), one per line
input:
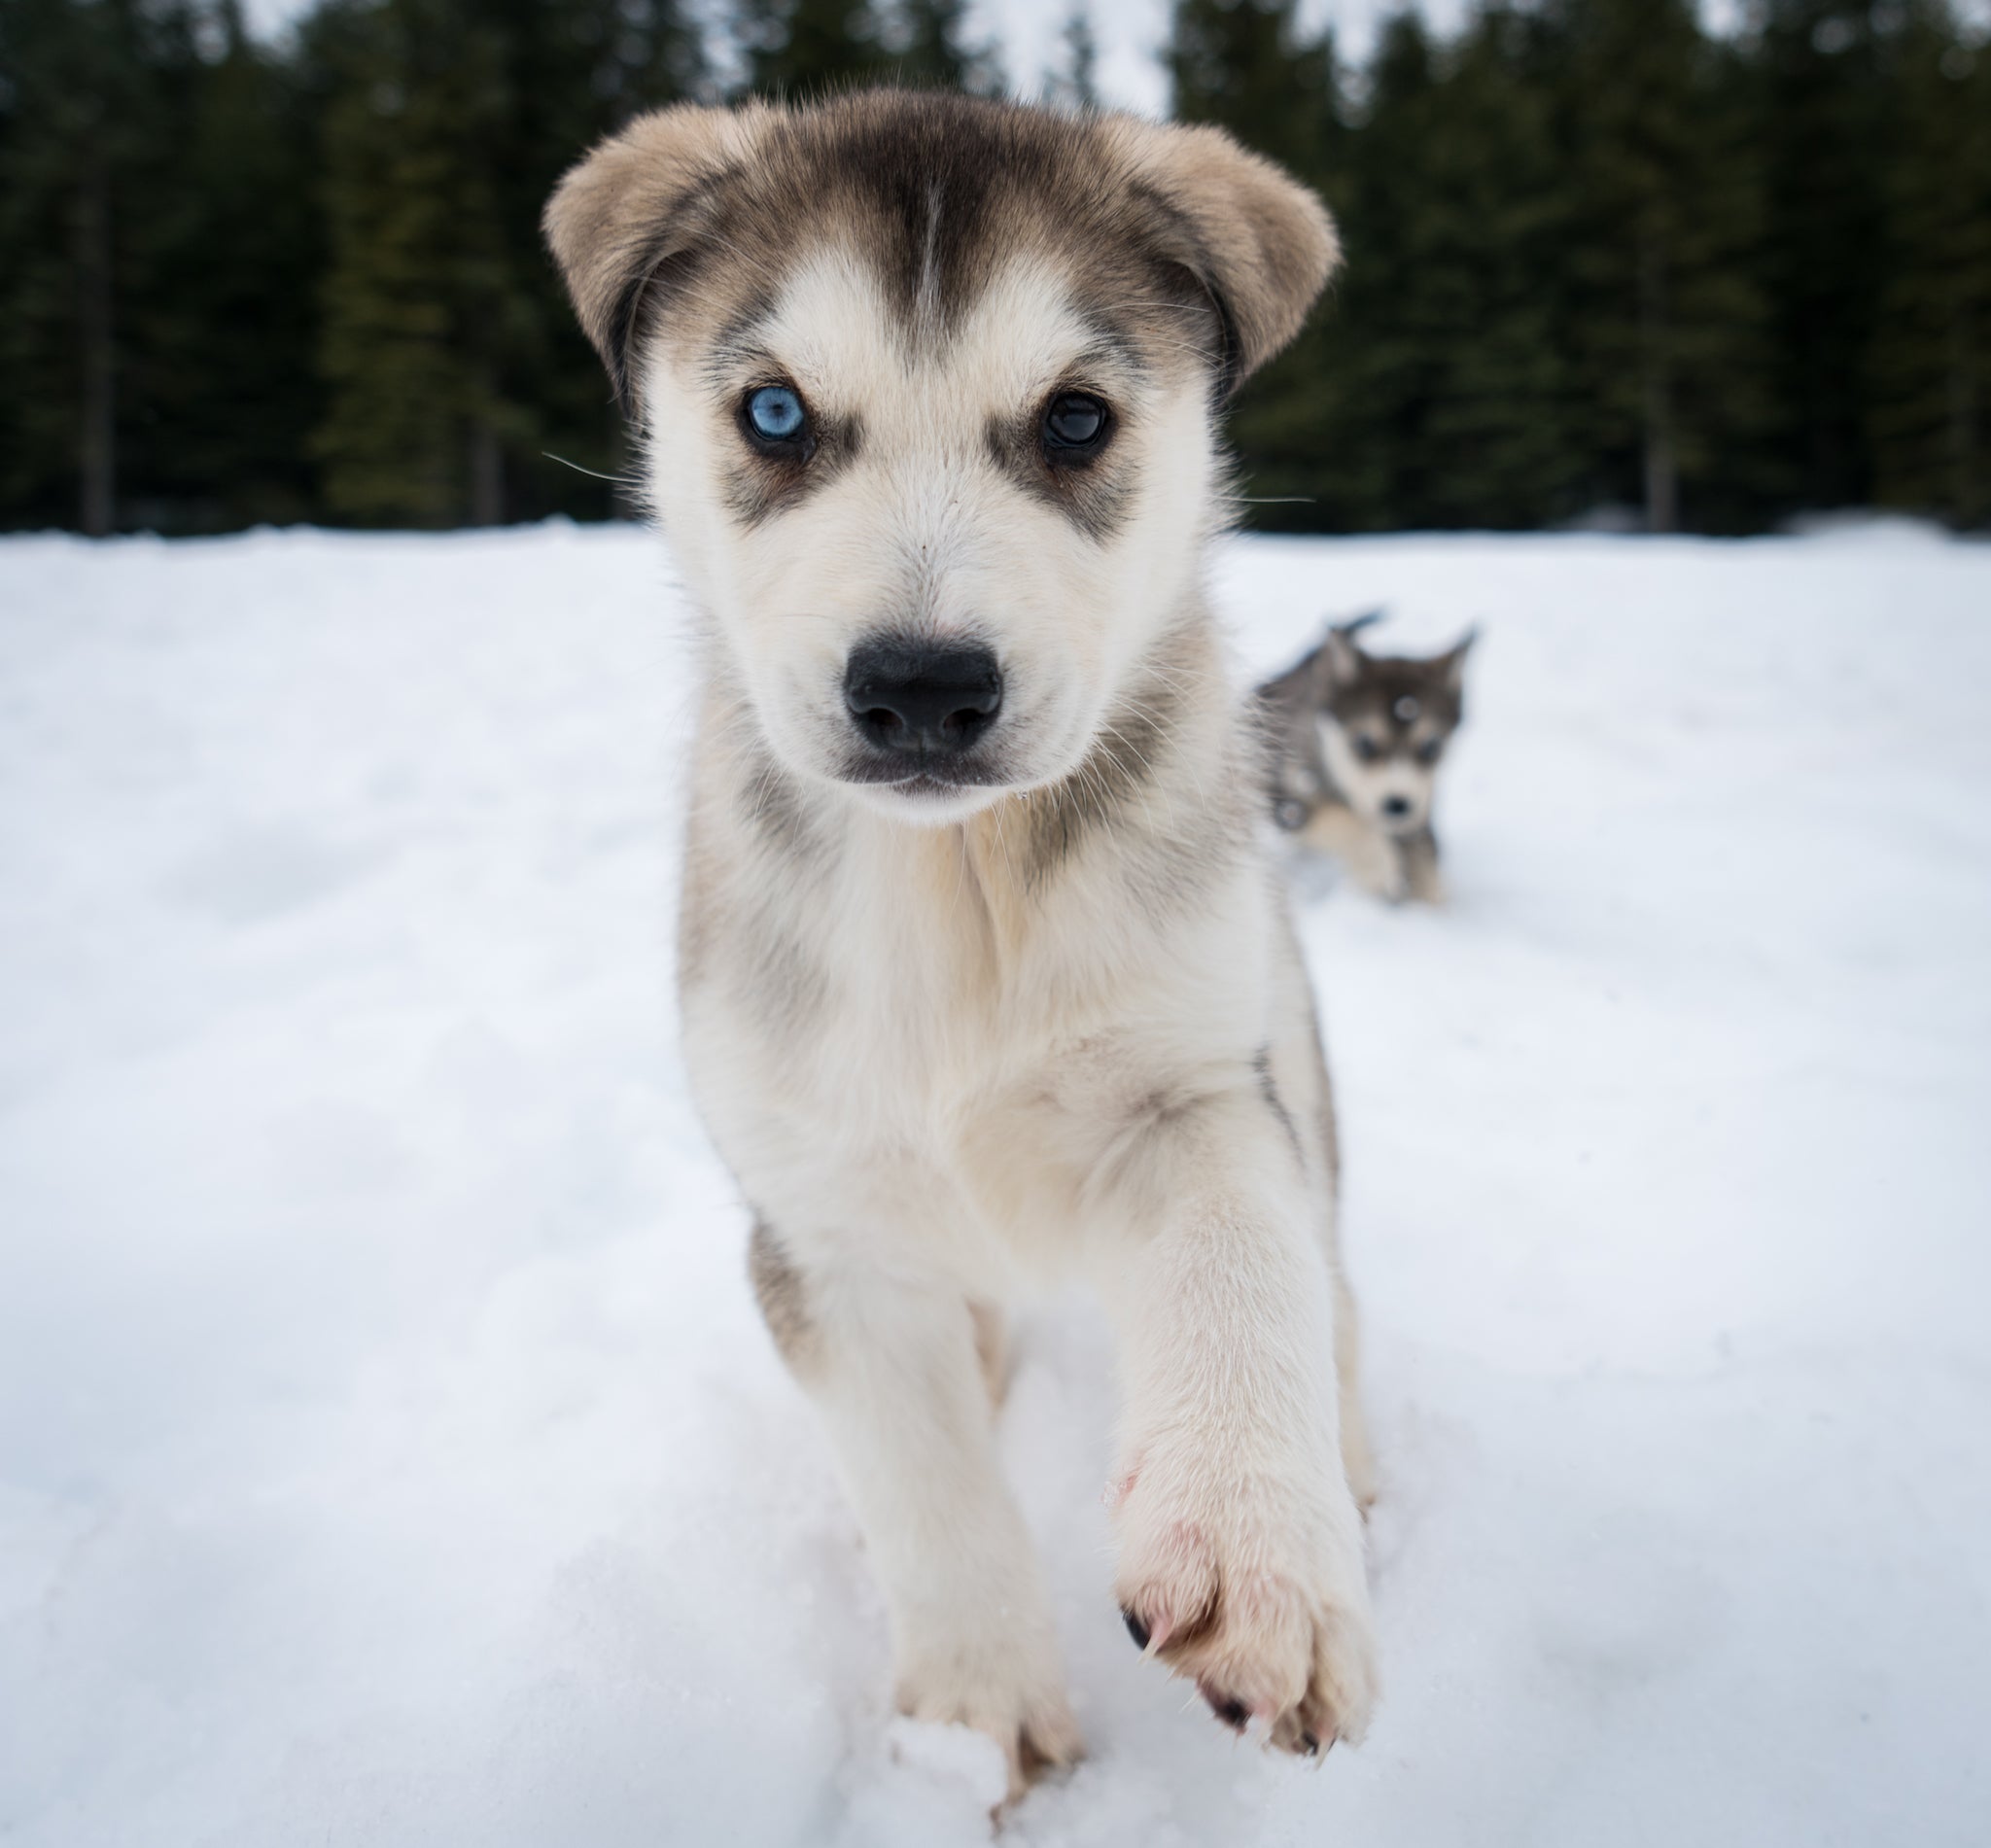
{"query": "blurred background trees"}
(1604, 264)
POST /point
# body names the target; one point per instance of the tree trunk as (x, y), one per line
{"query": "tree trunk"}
(96, 431)
(488, 475)
(1964, 507)
(1662, 467)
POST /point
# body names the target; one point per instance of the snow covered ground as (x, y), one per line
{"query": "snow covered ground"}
(390, 1452)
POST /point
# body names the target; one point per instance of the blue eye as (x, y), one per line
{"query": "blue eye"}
(775, 414)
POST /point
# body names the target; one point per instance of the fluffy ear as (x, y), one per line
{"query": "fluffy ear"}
(1341, 657)
(1260, 243)
(636, 201)
(1452, 664)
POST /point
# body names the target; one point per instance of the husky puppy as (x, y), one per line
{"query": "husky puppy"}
(1354, 741)
(986, 978)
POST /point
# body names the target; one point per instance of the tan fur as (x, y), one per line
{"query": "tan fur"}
(1370, 856)
(623, 210)
(1272, 243)
(1235, 223)
(958, 1039)
(992, 1350)
(778, 1289)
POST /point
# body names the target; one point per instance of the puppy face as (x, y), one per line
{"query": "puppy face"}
(1028, 487)
(1384, 724)
(926, 393)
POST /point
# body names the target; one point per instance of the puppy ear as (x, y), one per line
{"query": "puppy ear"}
(639, 200)
(1452, 664)
(1341, 658)
(1261, 245)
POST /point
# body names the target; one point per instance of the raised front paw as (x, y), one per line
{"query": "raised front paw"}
(1002, 1686)
(1255, 1590)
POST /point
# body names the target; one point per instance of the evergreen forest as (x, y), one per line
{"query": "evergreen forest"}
(1604, 265)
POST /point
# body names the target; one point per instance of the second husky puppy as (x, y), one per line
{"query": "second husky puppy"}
(985, 978)
(1354, 741)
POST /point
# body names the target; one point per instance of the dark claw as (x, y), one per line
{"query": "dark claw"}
(1309, 1744)
(1231, 1711)
(1135, 1629)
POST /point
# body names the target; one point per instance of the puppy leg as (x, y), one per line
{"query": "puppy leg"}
(1240, 1545)
(1371, 859)
(1358, 1460)
(1423, 880)
(898, 1374)
(1313, 1096)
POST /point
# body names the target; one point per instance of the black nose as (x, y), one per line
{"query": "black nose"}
(923, 698)
(1396, 807)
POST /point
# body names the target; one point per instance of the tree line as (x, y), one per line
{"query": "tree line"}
(1602, 264)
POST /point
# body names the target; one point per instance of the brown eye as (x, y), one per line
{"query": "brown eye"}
(1430, 749)
(1367, 749)
(1076, 425)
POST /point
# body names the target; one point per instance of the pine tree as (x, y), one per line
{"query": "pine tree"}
(223, 344)
(80, 135)
(1668, 329)
(799, 49)
(414, 293)
(1247, 65)
(448, 357)
(1374, 357)
(1821, 119)
(1474, 283)
(1077, 85)
(1431, 389)
(1929, 375)
(928, 46)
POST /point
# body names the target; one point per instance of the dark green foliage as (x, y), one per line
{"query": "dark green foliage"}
(152, 362)
(448, 354)
(1075, 86)
(1552, 299)
(421, 318)
(1928, 385)
(928, 46)
(809, 47)
(1246, 66)
(1450, 372)
(67, 153)
(1596, 257)
(1667, 319)
(224, 331)
(1822, 119)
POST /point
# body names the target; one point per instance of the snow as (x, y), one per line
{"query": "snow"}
(390, 1452)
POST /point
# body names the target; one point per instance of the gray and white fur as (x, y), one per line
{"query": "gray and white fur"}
(986, 979)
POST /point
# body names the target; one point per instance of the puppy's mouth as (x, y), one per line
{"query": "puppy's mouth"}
(916, 777)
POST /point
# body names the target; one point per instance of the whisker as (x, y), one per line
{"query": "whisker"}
(620, 481)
